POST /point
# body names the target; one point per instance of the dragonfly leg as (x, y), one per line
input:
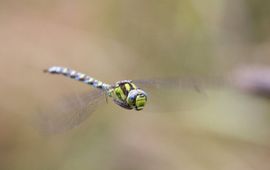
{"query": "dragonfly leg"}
(122, 104)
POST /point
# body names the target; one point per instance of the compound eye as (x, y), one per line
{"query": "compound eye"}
(132, 97)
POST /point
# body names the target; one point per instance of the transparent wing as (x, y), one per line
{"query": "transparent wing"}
(69, 112)
(184, 83)
(172, 94)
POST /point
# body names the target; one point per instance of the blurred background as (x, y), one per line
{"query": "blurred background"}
(218, 128)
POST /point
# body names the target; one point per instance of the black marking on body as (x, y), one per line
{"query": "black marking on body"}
(77, 76)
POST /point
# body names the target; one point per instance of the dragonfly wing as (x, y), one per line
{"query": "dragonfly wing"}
(70, 112)
(170, 94)
(175, 83)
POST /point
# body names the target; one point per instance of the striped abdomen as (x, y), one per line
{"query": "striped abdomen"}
(79, 77)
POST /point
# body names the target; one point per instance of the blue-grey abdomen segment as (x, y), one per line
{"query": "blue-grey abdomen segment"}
(78, 76)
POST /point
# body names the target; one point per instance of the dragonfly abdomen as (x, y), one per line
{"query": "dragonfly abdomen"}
(78, 76)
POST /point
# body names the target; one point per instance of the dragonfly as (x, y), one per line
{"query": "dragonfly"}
(124, 93)
(127, 94)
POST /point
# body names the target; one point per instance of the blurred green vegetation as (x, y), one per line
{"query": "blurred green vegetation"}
(219, 128)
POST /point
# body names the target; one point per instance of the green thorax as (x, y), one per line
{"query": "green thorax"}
(121, 90)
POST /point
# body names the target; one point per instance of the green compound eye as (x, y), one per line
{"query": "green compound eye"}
(131, 99)
(137, 99)
(140, 102)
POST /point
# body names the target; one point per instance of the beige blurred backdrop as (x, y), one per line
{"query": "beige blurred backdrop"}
(113, 40)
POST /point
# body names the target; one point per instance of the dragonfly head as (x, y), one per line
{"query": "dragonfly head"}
(137, 98)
